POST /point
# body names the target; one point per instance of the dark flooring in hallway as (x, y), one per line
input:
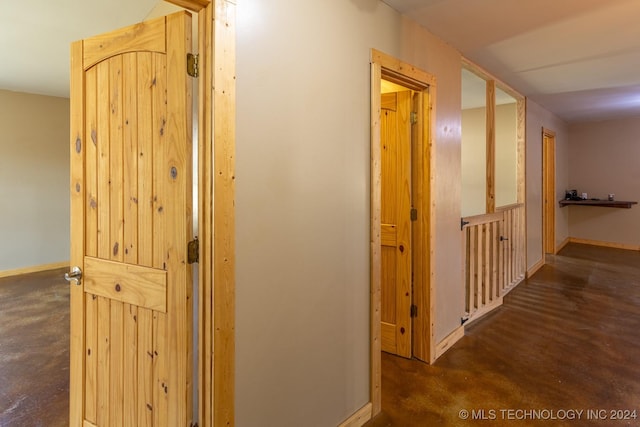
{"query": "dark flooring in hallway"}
(566, 340)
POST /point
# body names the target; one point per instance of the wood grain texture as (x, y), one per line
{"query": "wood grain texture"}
(142, 286)
(138, 320)
(224, 93)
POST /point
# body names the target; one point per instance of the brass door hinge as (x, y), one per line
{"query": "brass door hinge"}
(193, 251)
(192, 65)
(414, 214)
(414, 310)
(414, 117)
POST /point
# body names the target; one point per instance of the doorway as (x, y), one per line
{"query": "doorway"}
(549, 190)
(401, 215)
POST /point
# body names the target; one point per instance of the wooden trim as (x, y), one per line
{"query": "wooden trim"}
(534, 268)
(605, 244)
(206, 376)
(483, 218)
(478, 70)
(488, 308)
(548, 191)
(564, 243)
(34, 269)
(224, 141)
(375, 239)
(359, 418)
(491, 147)
(76, 315)
(192, 5)
(449, 341)
(399, 72)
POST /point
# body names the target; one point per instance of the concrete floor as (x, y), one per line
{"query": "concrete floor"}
(34, 350)
(566, 343)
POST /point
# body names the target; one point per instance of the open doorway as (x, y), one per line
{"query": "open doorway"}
(401, 214)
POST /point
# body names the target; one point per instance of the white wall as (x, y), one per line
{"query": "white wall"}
(34, 180)
(302, 202)
(537, 118)
(605, 159)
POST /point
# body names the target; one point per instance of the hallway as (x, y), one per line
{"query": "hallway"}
(563, 350)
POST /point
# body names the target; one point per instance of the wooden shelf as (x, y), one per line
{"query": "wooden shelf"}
(602, 203)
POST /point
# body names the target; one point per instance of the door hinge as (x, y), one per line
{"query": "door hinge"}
(414, 117)
(414, 310)
(192, 64)
(193, 251)
(414, 214)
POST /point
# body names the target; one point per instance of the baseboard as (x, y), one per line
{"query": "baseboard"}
(605, 244)
(34, 269)
(534, 269)
(449, 341)
(359, 418)
(564, 243)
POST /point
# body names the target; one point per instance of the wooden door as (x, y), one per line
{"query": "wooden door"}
(131, 186)
(395, 136)
(549, 190)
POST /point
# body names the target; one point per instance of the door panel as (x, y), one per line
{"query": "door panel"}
(396, 223)
(131, 183)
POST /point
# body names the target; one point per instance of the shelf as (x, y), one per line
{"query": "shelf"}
(601, 203)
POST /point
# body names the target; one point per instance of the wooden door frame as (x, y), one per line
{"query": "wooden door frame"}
(216, 202)
(394, 70)
(548, 191)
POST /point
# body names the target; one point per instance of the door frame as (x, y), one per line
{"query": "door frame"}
(423, 167)
(216, 195)
(548, 191)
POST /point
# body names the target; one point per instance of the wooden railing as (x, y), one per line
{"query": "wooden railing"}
(495, 257)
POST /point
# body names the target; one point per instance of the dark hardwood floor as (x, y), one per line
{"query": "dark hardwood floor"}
(34, 350)
(565, 342)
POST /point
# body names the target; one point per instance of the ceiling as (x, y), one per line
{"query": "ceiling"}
(35, 38)
(578, 58)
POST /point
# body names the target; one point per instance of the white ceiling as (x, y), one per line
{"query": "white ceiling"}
(35, 38)
(578, 58)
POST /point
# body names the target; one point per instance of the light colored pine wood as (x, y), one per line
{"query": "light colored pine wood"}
(133, 284)
(138, 203)
(375, 274)
(144, 36)
(395, 209)
(604, 244)
(91, 163)
(104, 349)
(88, 424)
(449, 341)
(104, 169)
(116, 160)
(77, 349)
(130, 366)
(491, 147)
(549, 190)
(205, 212)
(176, 163)
(130, 161)
(144, 376)
(359, 418)
(193, 5)
(33, 269)
(145, 88)
(116, 365)
(91, 352)
(224, 92)
(388, 235)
